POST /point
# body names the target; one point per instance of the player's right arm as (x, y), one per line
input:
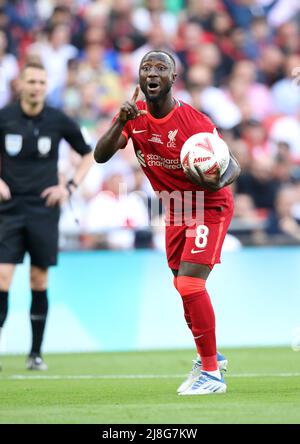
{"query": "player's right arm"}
(113, 139)
(110, 142)
(5, 193)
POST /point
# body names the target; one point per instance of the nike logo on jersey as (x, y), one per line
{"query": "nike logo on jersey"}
(138, 131)
(196, 251)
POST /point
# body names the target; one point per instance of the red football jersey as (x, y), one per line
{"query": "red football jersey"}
(158, 142)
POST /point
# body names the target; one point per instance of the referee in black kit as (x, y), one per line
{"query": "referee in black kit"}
(31, 195)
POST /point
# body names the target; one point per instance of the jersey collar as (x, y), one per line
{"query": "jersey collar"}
(36, 117)
(167, 117)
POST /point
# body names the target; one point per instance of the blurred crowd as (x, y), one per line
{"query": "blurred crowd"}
(238, 61)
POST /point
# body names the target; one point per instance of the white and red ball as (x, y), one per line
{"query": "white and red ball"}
(207, 151)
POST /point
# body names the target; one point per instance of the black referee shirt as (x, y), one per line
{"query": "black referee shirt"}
(29, 147)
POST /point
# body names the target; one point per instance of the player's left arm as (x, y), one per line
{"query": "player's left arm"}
(58, 194)
(231, 173)
(79, 140)
(215, 182)
(87, 160)
(5, 193)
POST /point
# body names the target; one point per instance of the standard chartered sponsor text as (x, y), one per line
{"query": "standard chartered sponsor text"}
(156, 160)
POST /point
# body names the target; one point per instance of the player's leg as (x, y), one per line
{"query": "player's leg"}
(175, 242)
(197, 365)
(191, 282)
(175, 245)
(38, 315)
(6, 276)
(197, 362)
(12, 251)
(202, 250)
(186, 314)
(42, 245)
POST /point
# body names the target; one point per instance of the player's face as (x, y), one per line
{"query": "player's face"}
(156, 76)
(33, 86)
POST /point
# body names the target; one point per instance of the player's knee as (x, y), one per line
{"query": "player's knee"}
(38, 283)
(175, 282)
(38, 279)
(6, 275)
(4, 282)
(189, 285)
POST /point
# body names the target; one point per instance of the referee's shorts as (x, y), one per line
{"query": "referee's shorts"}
(27, 225)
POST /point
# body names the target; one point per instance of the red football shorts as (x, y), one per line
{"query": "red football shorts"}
(199, 243)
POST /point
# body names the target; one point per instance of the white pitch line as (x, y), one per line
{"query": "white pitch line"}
(173, 376)
(58, 377)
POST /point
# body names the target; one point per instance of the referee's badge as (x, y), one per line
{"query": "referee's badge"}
(13, 144)
(44, 145)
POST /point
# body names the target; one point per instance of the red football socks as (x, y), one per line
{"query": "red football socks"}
(200, 317)
(186, 313)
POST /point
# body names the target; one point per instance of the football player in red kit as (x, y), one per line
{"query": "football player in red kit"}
(158, 128)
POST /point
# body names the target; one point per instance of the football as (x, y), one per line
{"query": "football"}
(207, 151)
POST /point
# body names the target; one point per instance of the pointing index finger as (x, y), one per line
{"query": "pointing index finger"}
(136, 93)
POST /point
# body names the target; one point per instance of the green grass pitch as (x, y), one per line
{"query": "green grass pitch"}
(140, 387)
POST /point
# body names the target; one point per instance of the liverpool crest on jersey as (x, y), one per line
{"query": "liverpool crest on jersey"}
(172, 138)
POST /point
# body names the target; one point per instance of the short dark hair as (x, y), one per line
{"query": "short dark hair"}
(161, 51)
(61, 8)
(33, 64)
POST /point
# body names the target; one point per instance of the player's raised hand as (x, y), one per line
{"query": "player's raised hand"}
(129, 110)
